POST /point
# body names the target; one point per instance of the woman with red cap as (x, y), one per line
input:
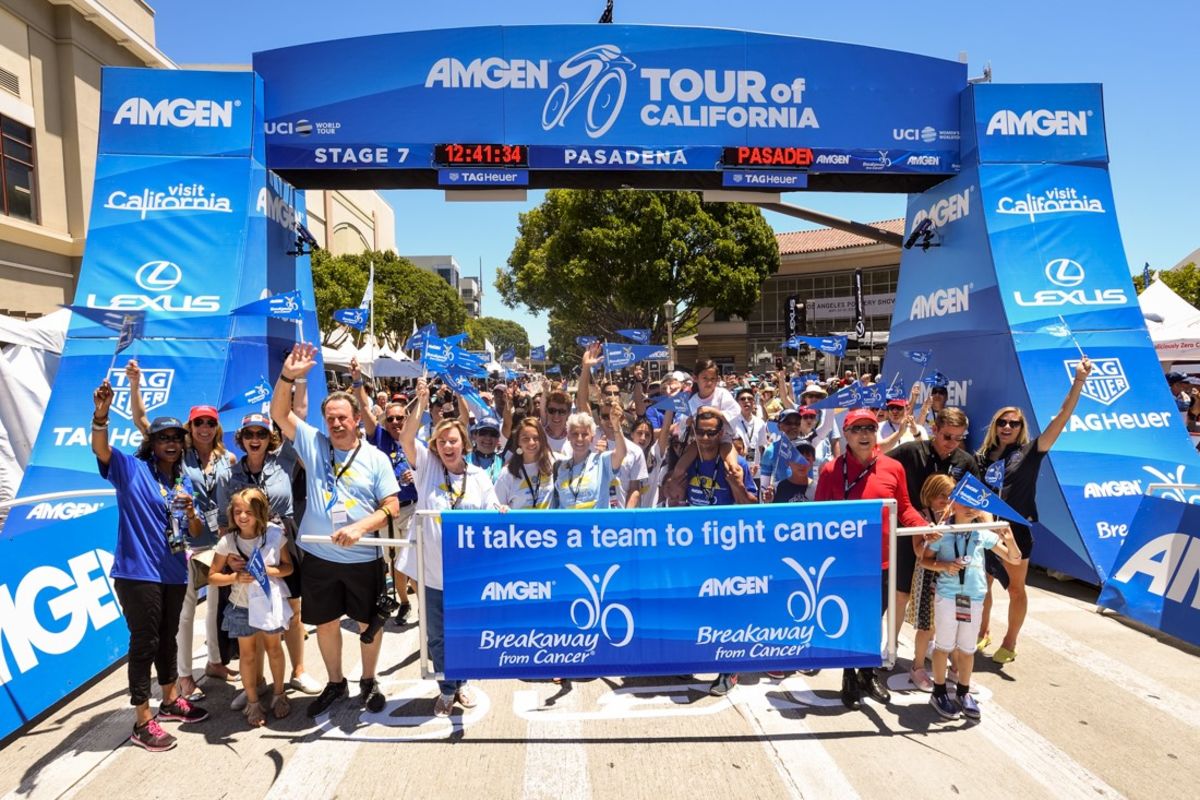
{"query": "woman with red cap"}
(863, 472)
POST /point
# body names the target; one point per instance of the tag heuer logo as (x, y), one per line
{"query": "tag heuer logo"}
(155, 387)
(1106, 383)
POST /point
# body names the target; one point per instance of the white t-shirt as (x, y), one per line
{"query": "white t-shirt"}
(888, 428)
(754, 433)
(472, 490)
(520, 492)
(721, 399)
(633, 467)
(559, 447)
(656, 466)
(232, 544)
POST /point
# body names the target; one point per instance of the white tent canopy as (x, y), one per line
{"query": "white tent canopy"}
(1173, 323)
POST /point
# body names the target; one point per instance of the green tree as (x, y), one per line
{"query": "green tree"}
(502, 333)
(599, 261)
(403, 293)
(1184, 281)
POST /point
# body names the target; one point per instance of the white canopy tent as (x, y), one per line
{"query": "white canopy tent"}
(1173, 323)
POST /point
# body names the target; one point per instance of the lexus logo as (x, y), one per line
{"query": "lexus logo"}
(1065, 273)
(159, 276)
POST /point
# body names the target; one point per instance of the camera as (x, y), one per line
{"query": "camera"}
(385, 607)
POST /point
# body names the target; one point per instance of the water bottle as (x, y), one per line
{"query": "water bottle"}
(177, 538)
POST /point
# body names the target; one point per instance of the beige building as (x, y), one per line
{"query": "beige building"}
(817, 267)
(348, 222)
(51, 53)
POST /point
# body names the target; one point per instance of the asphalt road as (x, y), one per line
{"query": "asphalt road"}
(1093, 707)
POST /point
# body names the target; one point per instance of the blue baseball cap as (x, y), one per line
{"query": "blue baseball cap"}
(486, 424)
(161, 424)
(255, 421)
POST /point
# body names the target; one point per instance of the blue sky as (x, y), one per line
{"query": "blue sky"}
(1143, 57)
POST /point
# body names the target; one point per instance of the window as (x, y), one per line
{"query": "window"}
(16, 169)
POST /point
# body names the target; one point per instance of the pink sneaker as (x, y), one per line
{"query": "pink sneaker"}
(920, 679)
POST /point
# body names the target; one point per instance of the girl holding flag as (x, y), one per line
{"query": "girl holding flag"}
(1009, 462)
(257, 613)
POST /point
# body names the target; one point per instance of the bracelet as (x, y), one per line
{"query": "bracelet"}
(286, 379)
(98, 422)
(300, 380)
(98, 428)
(387, 512)
(356, 384)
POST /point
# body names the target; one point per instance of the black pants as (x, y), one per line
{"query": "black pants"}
(152, 615)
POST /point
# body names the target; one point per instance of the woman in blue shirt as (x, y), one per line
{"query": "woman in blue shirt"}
(149, 572)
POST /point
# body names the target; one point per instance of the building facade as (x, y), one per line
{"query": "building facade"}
(51, 55)
(349, 222)
(469, 290)
(817, 267)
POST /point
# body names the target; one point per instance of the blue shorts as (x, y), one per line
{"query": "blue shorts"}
(236, 622)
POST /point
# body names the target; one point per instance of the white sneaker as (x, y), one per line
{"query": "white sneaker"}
(305, 683)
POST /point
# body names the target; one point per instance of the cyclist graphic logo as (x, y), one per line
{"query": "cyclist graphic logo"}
(597, 74)
(594, 611)
(807, 605)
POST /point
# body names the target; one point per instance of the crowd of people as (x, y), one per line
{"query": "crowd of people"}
(272, 533)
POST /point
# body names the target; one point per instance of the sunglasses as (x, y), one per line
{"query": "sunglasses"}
(176, 438)
(707, 434)
(204, 422)
(256, 433)
(1009, 423)
(613, 394)
(945, 437)
(396, 419)
(857, 429)
(556, 411)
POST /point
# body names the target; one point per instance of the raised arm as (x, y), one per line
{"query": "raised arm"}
(412, 424)
(101, 400)
(137, 405)
(783, 388)
(297, 365)
(639, 396)
(364, 399)
(1050, 435)
(617, 417)
(583, 391)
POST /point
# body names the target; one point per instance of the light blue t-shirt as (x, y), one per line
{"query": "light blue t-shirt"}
(362, 487)
(974, 580)
(580, 485)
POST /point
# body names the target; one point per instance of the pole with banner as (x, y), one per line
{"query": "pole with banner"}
(791, 321)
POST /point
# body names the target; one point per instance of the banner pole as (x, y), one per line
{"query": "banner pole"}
(893, 520)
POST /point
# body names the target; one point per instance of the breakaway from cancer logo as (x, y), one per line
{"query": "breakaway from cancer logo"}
(807, 604)
(588, 612)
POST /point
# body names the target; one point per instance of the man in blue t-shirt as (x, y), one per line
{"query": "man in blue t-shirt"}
(352, 491)
(710, 483)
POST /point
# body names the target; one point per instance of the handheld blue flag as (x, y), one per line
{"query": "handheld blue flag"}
(833, 345)
(798, 385)
(555, 370)
(849, 397)
(285, 305)
(538, 353)
(935, 379)
(258, 570)
(133, 327)
(111, 318)
(418, 339)
(1146, 278)
(918, 356)
(256, 395)
(586, 341)
(639, 335)
(895, 392)
(508, 355)
(618, 356)
(970, 491)
(785, 450)
(351, 317)
(871, 396)
(672, 402)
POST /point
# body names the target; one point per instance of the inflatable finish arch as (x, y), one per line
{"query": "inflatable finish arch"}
(194, 207)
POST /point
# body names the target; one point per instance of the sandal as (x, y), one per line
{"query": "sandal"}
(255, 715)
(220, 672)
(280, 707)
(188, 689)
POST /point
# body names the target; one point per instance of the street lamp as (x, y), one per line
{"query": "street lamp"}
(669, 312)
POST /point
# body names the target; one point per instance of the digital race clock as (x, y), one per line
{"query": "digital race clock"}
(484, 155)
(772, 157)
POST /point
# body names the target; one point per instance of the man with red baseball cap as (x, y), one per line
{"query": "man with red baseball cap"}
(864, 473)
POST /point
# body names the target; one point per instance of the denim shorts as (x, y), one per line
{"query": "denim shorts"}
(236, 622)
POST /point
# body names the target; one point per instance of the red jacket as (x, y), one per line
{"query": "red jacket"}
(884, 481)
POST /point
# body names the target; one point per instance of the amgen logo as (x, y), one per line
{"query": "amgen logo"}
(941, 302)
(735, 586)
(74, 598)
(177, 113)
(1039, 122)
(944, 211)
(61, 511)
(516, 590)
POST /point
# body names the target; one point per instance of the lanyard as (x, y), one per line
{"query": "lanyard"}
(333, 474)
(257, 478)
(576, 485)
(454, 499)
(529, 484)
(847, 484)
(209, 478)
(962, 573)
(237, 543)
(710, 491)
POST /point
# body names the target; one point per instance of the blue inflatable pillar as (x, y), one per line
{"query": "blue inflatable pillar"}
(1026, 250)
(186, 224)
